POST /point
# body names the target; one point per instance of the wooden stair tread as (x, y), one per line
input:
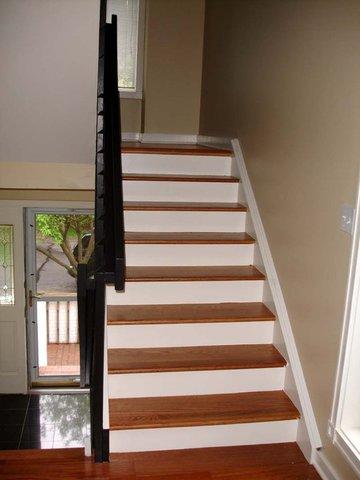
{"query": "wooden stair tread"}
(277, 461)
(185, 206)
(188, 313)
(157, 177)
(173, 149)
(188, 238)
(192, 410)
(173, 359)
(193, 273)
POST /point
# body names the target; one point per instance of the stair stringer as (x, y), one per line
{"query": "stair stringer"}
(308, 436)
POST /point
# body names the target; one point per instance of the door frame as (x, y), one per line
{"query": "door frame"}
(34, 379)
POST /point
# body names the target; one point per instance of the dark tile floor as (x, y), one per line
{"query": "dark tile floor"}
(44, 420)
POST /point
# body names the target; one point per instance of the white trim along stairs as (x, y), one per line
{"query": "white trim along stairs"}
(199, 347)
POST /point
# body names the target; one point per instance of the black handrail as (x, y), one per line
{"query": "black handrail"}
(109, 253)
(109, 217)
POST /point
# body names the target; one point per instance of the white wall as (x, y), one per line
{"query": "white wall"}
(48, 51)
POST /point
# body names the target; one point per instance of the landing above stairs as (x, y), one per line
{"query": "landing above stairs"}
(173, 149)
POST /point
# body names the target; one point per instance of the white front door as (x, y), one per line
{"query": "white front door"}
(13, 374)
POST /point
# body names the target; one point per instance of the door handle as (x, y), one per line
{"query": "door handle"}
(31, 298)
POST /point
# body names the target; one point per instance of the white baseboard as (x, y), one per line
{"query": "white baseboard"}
(130, 136)
(324, 468)
(167, 138)
(279, 301)
(209, 141)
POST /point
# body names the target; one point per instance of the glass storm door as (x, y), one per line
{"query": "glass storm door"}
(57, 241)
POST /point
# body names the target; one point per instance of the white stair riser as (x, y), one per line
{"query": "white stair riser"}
(184, 221)
(172, 254)
(181, 164)
(152, 191)
(189, 334)
(143, 293)
(201, 437)
(166, 384)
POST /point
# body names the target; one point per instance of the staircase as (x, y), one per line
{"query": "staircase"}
(189, 361)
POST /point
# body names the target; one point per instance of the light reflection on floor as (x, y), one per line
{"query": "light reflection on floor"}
(44, 421)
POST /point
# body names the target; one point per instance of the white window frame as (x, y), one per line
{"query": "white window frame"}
(349, 343)
(137, 93)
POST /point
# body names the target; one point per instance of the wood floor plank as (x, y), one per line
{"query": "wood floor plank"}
(185, 206)
(216, 460)
(196, 410)
(173, 149)
(282, 461)
(69, 454)
(188, 313)
(273, 472)
(188, 274)
(157, 177)
(188, 238)
(175, 359)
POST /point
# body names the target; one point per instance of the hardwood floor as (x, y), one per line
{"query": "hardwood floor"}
(282, 461)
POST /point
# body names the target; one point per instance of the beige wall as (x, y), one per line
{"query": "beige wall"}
(284, 77)
(172, 70)
(173, 65)
(131, 112)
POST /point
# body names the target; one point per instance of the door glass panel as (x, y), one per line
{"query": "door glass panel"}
(62, 242)
(6, 265)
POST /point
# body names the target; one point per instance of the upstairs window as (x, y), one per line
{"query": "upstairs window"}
(130, 26)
